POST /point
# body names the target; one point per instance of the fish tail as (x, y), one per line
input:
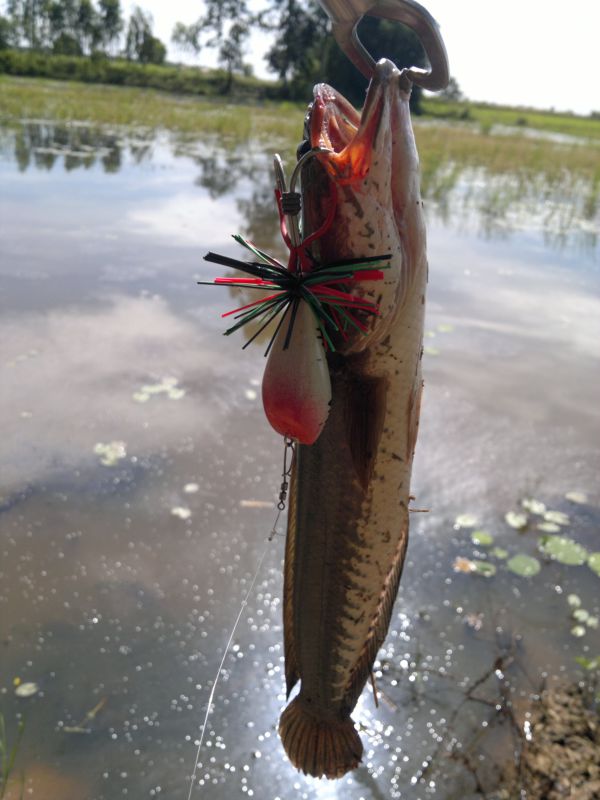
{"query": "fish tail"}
(319, 747)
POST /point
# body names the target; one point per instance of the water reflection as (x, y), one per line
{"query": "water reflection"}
(497, 200)
(120, 576)
(43, 144)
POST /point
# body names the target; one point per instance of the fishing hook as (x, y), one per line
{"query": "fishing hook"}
(346, 14)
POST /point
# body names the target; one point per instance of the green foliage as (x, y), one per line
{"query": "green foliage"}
(224, 26)
(66, 44)
(7, 33)
(99, 69)
(8, 753)
(140, 43)
(301, 27)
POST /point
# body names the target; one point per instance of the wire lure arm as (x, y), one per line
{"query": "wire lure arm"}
(346, 14)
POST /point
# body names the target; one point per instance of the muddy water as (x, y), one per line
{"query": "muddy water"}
(138, 480)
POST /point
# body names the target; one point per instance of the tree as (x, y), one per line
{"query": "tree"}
(88, 26)
(8, 34)
(382, 39)
(111, 22)
(304, 51)
(140, 43)
(66, 44)
(452, 92)
(30, 22)
(225, 26)
(295, 56)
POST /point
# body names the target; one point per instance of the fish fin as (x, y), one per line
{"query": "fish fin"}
(379, 623)
(365, 413)
(319, 747)
(289, 642)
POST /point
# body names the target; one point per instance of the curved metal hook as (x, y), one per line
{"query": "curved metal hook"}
(346, 14)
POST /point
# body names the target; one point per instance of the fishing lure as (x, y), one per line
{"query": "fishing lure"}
(308, 302)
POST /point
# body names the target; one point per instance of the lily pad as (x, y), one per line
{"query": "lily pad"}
(465, 521)
(594, 562)
(27, 689)
(548, 527)
(482, 538)
(581, 615)
(592, 622)
(484, 568)
(577, 497)
(533, 506)
(444, 327)
(516, 520)
(168, 386)
(563, 550)
(431, 351)
(110, 452)
(578, 630)
(523, 565)
(181, 511)
(574, 600)
(499, 552)
(559, 517)
(588, 663)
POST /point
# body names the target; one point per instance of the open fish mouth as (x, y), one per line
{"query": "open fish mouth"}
(364, 160)
(352, 136)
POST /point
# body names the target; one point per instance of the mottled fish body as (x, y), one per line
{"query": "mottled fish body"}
(348, 518)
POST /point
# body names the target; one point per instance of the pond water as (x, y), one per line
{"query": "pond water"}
(139, 479)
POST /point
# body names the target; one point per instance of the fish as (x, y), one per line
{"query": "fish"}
(348, 517)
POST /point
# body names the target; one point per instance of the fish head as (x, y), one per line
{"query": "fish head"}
(370, 171)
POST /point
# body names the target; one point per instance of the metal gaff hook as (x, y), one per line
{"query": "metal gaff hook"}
(346, 14)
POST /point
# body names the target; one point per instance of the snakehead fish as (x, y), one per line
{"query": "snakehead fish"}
(348, 518)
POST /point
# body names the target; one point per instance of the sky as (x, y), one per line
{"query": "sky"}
(536, 53)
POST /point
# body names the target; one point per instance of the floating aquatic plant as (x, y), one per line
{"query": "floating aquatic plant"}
(523, 565)
(563, 549)
(548, 527)
(594, 562)
(576, 497)
(533, 506)
(558, 517)
(516, 520)
(110, 452)
(482, 538)
(181, 512)
(168, 386)
(465, 521)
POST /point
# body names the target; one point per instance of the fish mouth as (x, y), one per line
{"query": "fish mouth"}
(350, 136)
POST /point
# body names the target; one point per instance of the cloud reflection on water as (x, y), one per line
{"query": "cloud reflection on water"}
(75, 387)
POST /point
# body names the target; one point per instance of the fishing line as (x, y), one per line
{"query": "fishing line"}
(288, 460)
(211, 697)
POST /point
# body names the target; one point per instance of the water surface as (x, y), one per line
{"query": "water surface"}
(123, 569)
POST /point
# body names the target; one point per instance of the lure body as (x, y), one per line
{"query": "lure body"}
(296, 388)
(348, 517)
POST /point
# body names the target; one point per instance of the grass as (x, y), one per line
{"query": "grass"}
(486, 115)
(34, 98)
(8, 754)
